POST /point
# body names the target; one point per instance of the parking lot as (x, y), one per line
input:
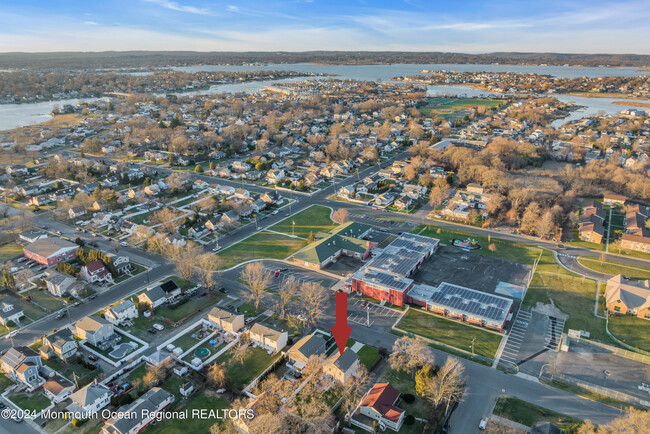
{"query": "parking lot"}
(284, 272)
(365, 313)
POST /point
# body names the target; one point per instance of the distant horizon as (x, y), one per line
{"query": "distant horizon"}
(467, 26)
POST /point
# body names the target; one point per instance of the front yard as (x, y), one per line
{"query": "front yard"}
(179, 311)
(528, 414)
(34, 402)
(44, 299)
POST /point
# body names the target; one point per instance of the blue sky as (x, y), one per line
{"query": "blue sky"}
(592, 26)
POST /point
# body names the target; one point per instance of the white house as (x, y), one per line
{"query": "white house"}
(58, 283)
(134, 417)
(92, 398)
(121, 312)
(96, 272)
(9, 312)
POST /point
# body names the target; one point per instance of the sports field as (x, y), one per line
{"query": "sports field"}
(450, 105)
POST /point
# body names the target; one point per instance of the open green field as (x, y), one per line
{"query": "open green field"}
(528, 414)
(240, 374)
(35, 402)
(261, 245)
(10, 250)
(313, 219)
(631, 330)
(508, 250)
(202, 401)
(452, 333)
(445, 105)
(615, 267)
(571, 293)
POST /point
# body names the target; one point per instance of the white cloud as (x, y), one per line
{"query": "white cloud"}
(232, 8)
(167, 4)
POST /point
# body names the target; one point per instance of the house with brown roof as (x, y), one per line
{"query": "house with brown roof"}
(225, 320)
(628, 297)
(58, 388)
(591, 222)
(379, 405)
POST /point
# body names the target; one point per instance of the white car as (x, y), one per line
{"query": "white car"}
(216, 249)
(123, 243)
(483, 423)
(275, 212)
(158, 327)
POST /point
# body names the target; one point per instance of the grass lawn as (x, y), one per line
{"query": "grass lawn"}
(36, 402)
(313, 219)
(137, 374)
(10, 250)
(256, 361)
(261, 245)
(614, 267)
(31, 311)
(84, 375)
(141, 325)
(528, 414)
(631, 330)
(43, 298)
(182, 283)
(571, 293)
(5, 382)
(201, 401)
(452, 333)
(367, 355)
(248, 309)
(403, 382)
(186, 341)
(138, 269)
(510, 251)
(185, 309)
(140, 218)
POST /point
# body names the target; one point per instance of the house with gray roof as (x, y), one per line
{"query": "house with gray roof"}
(299, 354)
(22, 364)
(134, 417)
(225, 320)
(143, 410)
(9, 312)
(58, 388)
(91, 398)
(342, 367)
(58, 283)
(121, 312)
(61, 344)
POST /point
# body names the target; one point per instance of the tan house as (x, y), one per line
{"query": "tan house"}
(628, 297)
(269, 338)
(342, 367)
(614, 199)
(224, 320)
(299, 354)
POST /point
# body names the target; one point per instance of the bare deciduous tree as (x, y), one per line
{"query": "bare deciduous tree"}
(315, 298)
(206, 268)
(354, 390)
(216, 376)
(168, 219)
(409, 354)
(448, 385)
(340, 216)
(257, 278)
(288, 291)
(185, 259)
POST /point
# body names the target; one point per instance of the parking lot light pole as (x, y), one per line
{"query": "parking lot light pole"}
(367, 315)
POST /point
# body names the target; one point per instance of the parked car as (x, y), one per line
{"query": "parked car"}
(158, 326)
(216, 249)
(483, 423)
(92, 297)
(93, 357)
(224, 290)
(123, 243)
(283, 269)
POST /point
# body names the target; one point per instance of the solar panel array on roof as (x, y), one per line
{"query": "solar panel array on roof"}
(387, 280)
(416, 243)
(398, 261)
(471, 302)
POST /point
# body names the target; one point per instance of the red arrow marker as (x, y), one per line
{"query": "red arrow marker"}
(341, 331)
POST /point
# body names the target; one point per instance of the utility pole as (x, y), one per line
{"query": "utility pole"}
(473, 346)
(367, 315)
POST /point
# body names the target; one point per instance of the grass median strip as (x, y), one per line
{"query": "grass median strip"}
(614, 268)
(531, 415)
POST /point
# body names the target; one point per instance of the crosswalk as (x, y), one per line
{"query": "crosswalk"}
(554, 333)
(566, 255)
(516, 336)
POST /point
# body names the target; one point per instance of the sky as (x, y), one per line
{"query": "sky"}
(468, 26)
